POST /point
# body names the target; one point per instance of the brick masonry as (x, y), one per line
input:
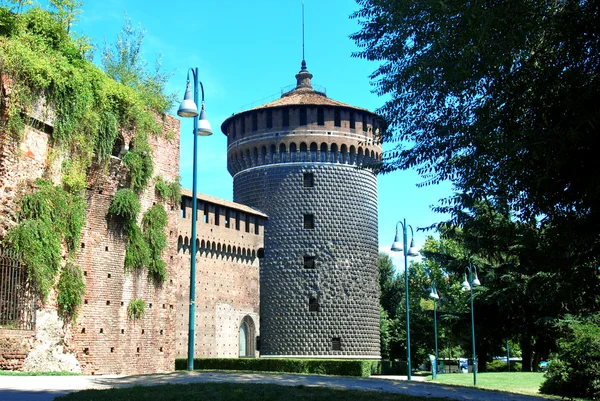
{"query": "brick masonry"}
(104, 339)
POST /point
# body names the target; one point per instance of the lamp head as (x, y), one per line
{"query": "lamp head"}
(476, 281)
(434, 294)
(188, 107)
(465, 284)
(397, 246)
(413, 251)
(204, 128)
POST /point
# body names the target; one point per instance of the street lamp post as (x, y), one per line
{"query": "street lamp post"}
(468, 286)
(189, 108)
(435, 296)
(398, 246)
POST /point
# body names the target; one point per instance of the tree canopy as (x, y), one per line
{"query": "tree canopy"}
(501, 98)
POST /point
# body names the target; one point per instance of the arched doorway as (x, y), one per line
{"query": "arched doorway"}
(246, 338)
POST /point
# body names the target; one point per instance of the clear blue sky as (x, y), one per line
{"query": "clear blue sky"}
(246, 51)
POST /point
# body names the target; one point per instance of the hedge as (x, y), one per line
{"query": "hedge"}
(359, 368)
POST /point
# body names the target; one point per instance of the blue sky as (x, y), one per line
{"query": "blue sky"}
(246, 51)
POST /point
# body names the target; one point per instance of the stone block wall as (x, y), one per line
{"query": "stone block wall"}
(14, 348)
(319, 285)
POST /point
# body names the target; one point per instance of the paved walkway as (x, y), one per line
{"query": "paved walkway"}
(46, 388)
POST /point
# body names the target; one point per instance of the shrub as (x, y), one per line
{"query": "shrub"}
(125, 206)
(48, 216)
(170, 191)
(501, 366)
(70, 290)
(139, 162)
(136, 309)
(573, 370)
(359, 368)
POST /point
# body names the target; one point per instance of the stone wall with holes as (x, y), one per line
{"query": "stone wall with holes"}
(105, 338)
(230, 243)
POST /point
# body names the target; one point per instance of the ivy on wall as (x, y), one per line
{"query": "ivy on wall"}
(48, 219)
(144, 245)
(168, 190)
(43, 61)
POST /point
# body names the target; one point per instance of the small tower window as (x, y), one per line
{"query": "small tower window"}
(313, 304)
(242, 125)
(269, 118)
(285, 118)
(352, 120)
(303, 116)
(309, 221)
(337, 119)
(336, 344)
(254, 121)
(320, 116)
(182, 208)
(309, 180)
(364, 122)
(309, 262)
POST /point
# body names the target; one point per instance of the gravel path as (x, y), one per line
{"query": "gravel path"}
(46, 388)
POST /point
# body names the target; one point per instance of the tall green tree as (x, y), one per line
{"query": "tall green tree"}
(123, 62)
(501, 98)
(67, 11)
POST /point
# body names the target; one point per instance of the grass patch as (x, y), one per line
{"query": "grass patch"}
(514, 382)
(234, 392)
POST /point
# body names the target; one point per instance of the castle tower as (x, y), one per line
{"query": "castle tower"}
(298, 160)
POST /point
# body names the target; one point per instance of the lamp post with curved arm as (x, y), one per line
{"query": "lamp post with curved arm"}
(435, 296)
(468, 285)
(189, 108)
(398, 246)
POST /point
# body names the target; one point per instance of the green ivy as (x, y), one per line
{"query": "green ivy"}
(70, 289)
(139, 162)
(136, 309)
(125, 206)
(48, 217)
(144, 249)
(42, 59)
(63, 210)
(137, 254)
(168, 190)
(40, 247)
(154, 222)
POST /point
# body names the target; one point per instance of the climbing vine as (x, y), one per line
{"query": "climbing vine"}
(144, 248)
(44, 61)
(168, 190)
(49, 218)
(154, 223)
(70, 289)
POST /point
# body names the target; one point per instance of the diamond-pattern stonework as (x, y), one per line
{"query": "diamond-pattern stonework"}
(344, 280)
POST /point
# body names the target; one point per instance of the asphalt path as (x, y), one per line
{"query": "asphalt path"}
(46, 388)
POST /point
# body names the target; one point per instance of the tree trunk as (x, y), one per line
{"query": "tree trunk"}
(526, 350)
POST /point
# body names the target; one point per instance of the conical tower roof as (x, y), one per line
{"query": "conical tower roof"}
(302, 94)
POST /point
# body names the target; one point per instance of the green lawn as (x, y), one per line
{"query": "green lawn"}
(235, 392)
(514, 382)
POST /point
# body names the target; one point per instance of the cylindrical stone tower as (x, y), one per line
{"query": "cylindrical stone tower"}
(298, 159)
